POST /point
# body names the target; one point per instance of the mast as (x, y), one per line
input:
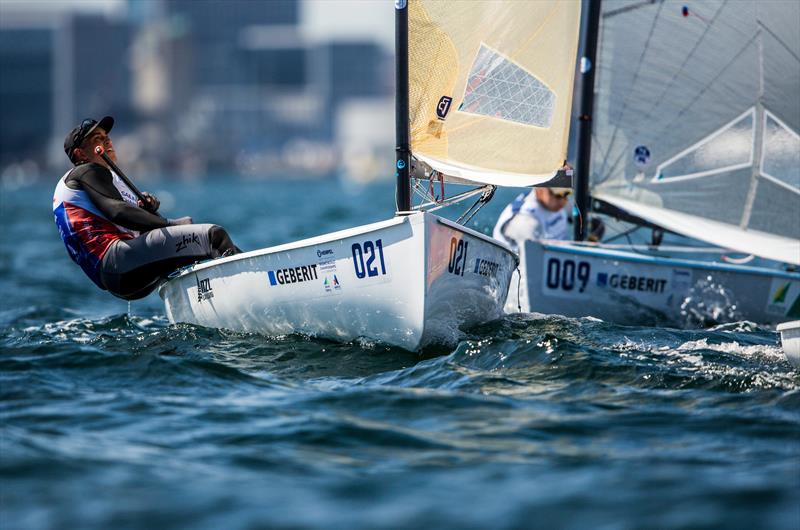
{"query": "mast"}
(582, 198)
(402, 149)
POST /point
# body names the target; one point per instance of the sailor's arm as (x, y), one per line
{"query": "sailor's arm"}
(97, 182)
(523, 227)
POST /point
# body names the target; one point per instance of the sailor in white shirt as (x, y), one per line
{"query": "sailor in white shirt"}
(539, 214)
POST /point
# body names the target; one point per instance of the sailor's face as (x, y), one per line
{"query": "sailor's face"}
(551, 201)
(98, 137)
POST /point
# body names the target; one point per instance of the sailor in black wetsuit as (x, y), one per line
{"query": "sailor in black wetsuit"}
(121, 242)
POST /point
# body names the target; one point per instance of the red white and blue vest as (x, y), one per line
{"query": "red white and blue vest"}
(86, 232)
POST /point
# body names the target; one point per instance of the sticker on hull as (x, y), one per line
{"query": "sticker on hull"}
(565, 277)
(784, 298)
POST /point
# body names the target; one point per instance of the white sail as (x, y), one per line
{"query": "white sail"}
(697, 116)
(491, 87)
(724, 235)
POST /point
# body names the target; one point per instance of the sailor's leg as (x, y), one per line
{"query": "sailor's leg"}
(132, 268)
(221, 241)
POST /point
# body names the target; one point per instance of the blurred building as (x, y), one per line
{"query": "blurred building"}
(26, 92)
(263, 97)
(197, 87)
(93, 74)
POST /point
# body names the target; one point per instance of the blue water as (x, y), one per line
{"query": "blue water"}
(114, 419)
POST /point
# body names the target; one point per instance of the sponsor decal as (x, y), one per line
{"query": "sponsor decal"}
(784, 298)
(327, 260)
(484, 267)
(681, 278)
(641, 156)
(186, 241)
(331, 284)
(443, 107)
(301, 273)
(129, 197)
(625, 282)
(204, 291)
(794, 310)
(780, 294)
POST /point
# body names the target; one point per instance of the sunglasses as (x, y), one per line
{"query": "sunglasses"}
(86, 126)
(562, 195)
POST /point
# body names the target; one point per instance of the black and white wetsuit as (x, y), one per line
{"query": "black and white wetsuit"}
(121, 247)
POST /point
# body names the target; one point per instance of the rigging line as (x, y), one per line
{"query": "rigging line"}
(708, 85)
(633, 248)
(635, 78)
(632, 7)
(660, 99)
(777, 38)
(622, 234)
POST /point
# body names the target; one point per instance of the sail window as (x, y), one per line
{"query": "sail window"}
(781, 154)
(499, 88)
(728, 148)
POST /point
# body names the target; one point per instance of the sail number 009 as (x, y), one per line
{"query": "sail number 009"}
(369, 250)
(563, 275)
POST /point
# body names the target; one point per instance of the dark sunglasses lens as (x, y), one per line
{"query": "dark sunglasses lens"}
(86, 125)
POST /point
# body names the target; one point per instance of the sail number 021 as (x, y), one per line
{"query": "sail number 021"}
(369, 250)
(563, 275)
(458, 256)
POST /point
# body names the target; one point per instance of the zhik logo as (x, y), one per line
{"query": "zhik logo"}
(185, 241)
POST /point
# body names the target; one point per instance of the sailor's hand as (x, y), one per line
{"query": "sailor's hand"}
(596, 230)
(180, 221)
(151, 203)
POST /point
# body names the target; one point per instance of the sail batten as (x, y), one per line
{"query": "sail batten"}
(491, 87)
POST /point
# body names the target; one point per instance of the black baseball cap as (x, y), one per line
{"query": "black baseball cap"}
(77, 135)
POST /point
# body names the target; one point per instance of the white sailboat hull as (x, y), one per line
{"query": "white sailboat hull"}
(631, 288)
(790, 339)
(408, 282)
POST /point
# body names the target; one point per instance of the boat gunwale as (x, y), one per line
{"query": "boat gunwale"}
(311, 241)
(475, 233)
(339, 234)
(599, 252)
(786, 326)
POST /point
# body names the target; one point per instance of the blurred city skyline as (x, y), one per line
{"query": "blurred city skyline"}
(262, 89)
